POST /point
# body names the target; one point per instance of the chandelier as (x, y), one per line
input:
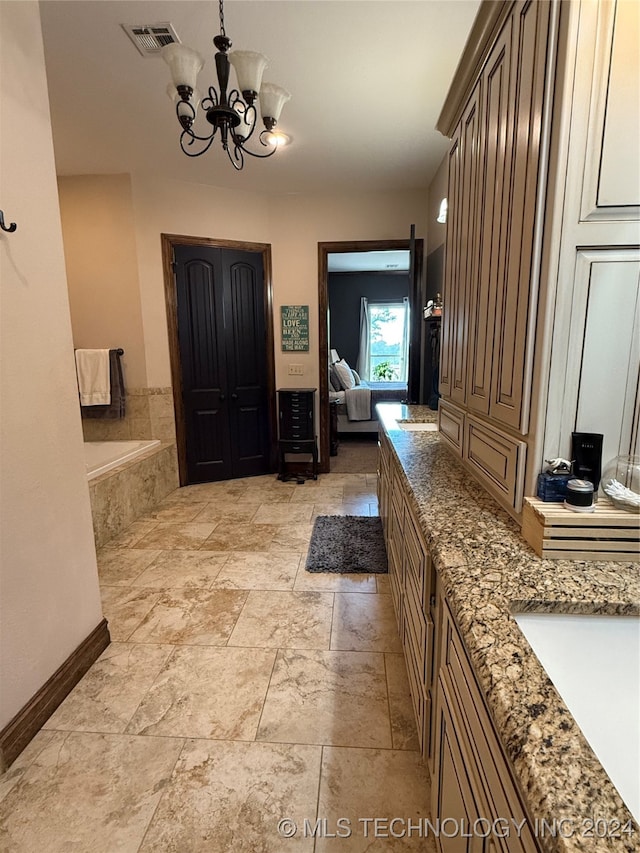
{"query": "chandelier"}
(232, 114)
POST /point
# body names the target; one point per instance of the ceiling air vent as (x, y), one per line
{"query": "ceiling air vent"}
(151, 38)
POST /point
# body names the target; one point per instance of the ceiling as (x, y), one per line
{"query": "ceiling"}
(385, 261)
(367, 79)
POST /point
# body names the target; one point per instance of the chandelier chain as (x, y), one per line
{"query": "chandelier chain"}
(221, 7)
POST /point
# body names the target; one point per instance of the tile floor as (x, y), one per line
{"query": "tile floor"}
(239, 690)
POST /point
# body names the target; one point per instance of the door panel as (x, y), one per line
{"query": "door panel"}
(222, 338)
(202, 350)
(247, 364)
(492, 223)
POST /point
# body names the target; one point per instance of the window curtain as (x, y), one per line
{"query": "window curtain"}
(364, 350)
(405, 340)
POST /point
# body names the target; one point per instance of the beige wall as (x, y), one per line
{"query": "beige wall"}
(102, 268)
(176, 207)
(293, 225)
(437, 232)
(299, 223)
(49, 599)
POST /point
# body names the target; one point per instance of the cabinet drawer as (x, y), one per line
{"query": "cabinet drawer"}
(497, 459)
(451, 426)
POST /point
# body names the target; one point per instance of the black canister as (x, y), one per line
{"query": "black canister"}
(579, 496)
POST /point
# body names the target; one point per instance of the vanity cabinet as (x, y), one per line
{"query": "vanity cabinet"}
(471, 777)
(412, 579)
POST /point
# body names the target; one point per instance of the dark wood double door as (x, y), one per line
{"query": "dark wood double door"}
(222, 337)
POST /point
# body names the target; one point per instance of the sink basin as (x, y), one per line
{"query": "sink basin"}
(415, 426)
(594, 664)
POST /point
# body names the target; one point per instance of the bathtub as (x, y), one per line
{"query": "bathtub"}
(102, 456)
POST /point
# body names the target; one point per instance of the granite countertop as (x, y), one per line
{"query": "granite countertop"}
(488, 572)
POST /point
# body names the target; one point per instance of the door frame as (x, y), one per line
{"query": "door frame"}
(168, 243)
(324, 250)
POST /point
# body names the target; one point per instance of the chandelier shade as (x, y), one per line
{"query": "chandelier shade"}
(249, 67)
(272, 100)
(231, 113)
(184, 63)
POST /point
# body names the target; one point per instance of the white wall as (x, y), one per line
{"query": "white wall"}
(438, 189)
(49, 597)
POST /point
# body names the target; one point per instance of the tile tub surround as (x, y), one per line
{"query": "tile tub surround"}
(120, 496)
(200, 732)
(149, 414)
(489, 572)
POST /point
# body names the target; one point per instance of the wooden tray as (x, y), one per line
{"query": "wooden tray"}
(558, 533)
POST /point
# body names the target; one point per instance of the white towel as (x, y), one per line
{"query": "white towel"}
(94, 378)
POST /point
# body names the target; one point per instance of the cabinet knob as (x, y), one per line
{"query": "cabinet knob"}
(234, 396)
(222, 398)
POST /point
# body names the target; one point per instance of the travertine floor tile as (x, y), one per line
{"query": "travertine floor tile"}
(365, 624)
(105, 699)
(168, 536)
(291, 537)
(333, 581)
(125, 607)
(317, 494)
(403, 721)
(194, 617)
(13, 774)
(296, 620)
(179, 512)
(182, 569)
(367, 783)
(87, 792)
(226, 490)
(239, 536)
(226, 796)
(258, 571)
(282, 514)
(272, 493)
(219, 511)
(382, 582)
(207, 692)
(132, 534)
(327, 697)
(120, 566)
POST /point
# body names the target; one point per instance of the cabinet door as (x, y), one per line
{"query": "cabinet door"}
(451, 275)
(451, 796)
(516, 290)
(467, 266)
(492, 219)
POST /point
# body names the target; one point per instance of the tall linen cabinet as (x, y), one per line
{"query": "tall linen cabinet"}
(542, 164)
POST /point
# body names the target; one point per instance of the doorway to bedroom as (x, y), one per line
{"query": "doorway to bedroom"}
(369, 341)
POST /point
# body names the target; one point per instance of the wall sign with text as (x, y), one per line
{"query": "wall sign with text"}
(295, 328)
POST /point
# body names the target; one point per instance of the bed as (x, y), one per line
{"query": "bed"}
(357, 406)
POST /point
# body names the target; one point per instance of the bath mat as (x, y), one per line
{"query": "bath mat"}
(347, 543)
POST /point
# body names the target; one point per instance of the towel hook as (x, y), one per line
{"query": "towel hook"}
(11, 228)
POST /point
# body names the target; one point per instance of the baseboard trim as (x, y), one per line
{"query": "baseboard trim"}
(30, 719)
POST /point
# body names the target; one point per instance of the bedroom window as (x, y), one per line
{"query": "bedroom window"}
(388, 341)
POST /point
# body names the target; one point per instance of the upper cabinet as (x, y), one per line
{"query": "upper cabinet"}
(541, 112)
